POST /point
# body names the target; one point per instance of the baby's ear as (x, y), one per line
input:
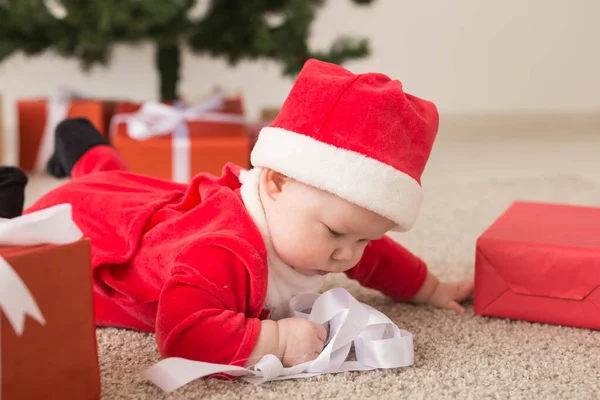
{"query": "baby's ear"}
(273, 182)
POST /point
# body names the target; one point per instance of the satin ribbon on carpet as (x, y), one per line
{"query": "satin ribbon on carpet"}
(50, 226)
(378, 343)
(156, 119)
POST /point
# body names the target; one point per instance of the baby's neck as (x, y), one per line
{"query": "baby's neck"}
(283, 281)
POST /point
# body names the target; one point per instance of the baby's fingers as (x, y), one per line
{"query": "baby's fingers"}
(318, 345)
(453, 305)
(321, 332)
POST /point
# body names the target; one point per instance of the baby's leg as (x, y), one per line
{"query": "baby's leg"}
(12, 191)
(98, 159)
(80, 150)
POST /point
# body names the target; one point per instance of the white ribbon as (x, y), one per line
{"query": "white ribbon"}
(16, 300)
(378, 343)
(155, 119)
(50, 226)
(57, 109)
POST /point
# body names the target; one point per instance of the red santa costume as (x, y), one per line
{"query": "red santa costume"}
(194, 263)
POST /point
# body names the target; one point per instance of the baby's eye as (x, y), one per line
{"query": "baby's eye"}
(334, 233)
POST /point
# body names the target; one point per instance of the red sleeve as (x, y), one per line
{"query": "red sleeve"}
(390, 268)
(201, 310)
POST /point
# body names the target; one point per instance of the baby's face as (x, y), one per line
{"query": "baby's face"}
(316, 232)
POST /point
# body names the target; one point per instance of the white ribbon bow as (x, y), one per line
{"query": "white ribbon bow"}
(50, 226)
(155, 119)
(378, 343)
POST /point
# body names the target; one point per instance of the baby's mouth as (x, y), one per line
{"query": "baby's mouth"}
(310, 271)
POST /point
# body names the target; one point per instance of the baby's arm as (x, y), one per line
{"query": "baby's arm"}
(202, 316)
(390, 268)
(202, 309)
(396, 272)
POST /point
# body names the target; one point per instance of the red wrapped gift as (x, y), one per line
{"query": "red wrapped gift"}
(48, 344)
(178, 142)
(267, 116)
(37, 120)
(540, 262)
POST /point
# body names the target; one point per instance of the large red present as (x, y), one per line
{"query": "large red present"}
(176, 142)
(48, 346)
(37, 120)
(540, 262)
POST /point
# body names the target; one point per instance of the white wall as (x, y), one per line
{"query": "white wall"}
(469, 56)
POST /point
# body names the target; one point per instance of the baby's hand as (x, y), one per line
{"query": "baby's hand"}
(300, 340)
(443, 294)
(450, 295)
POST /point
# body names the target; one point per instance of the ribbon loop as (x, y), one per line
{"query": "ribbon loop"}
(155, 119)
(50, 226)
(270, 367)
(378, 342)
(301, 305)
(152, 120)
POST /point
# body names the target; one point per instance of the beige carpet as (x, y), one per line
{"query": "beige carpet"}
(457, 356)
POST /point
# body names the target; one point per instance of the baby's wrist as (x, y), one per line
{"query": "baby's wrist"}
(426, 292)
(267, 343)
(281, 338)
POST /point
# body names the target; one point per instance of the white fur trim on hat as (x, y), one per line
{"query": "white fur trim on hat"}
(364, 181)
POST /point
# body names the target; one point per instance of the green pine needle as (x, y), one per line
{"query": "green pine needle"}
(234, 30)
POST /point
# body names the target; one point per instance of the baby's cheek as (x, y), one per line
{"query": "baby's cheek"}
(311, 254)
(320, 254)
(303, 246)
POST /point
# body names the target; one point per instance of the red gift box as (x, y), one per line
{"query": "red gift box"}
(540, 262)
(35, 147)
(48, 346)
(57, 359)
(209, 142)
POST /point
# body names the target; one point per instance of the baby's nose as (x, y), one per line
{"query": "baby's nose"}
(343, 254)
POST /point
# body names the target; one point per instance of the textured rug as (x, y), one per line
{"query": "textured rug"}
(456, 356)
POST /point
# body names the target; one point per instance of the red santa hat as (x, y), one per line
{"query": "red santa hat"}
(358, 136)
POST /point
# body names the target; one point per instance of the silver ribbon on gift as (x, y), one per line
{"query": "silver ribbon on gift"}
(155, 119)
(378, 343)
(50, 226)
(57, 109)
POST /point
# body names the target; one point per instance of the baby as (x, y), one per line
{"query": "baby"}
(211, 266)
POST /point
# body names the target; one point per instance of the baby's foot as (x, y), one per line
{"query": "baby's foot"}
(12, 191)
(73, 137)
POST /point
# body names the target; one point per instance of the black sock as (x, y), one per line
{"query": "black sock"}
(12, 191)
(72, 138)
(54, 167)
